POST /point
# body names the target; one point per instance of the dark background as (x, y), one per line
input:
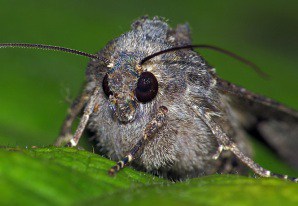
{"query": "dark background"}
(34, 84)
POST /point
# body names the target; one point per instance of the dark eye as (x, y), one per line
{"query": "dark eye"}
(147, 87)
(105, 86)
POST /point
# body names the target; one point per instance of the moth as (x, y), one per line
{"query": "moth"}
(153, 102)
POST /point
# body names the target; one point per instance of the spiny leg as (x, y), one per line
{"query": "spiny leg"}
(256, 167)
(74, 111)
(226, 144)
(91, 105)
(151, 129)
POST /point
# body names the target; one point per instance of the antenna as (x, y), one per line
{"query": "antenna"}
(205, 46)
(48, 47)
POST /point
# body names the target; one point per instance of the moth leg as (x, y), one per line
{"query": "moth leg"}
(256, 167)
(90, 107)
(150, 130)
(75, 109)
(218, 152)
(226, 144)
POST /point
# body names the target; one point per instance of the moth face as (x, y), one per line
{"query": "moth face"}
(126, 87)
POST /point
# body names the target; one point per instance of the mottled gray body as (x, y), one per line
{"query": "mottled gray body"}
(170, 114)
(185, 145)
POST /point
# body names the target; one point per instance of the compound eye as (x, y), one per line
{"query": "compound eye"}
(147, 87)
(105, 86)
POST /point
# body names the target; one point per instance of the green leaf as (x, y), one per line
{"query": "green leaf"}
(60, 176)
(64, 176)
(212, 190)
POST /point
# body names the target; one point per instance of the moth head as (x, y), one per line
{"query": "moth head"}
(126, 86)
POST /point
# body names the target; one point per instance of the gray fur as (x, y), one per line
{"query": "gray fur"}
(185, 145)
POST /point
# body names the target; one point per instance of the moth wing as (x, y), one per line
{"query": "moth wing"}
(272, 122)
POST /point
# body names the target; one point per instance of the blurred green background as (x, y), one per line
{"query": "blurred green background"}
(34, 84)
